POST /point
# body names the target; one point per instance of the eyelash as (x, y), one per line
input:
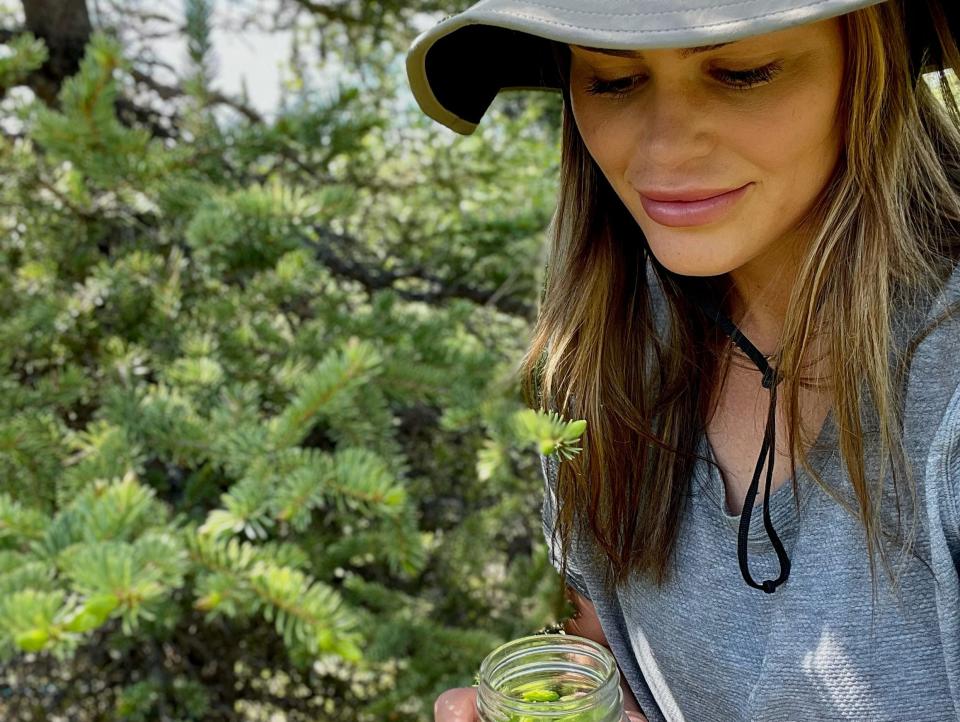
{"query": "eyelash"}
(735, 79)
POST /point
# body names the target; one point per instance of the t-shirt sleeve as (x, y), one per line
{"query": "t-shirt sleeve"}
(574, 578)
(946, 446)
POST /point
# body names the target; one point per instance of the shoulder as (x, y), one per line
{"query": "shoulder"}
(942, 469)
(945, 444)
(945, 304)
(932, 418)
(934, 369)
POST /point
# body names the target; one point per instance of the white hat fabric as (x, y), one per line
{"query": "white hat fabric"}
(457, 67)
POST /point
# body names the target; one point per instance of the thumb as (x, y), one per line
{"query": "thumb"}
(456, 705)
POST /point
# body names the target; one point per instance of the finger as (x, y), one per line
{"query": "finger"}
(456, 705)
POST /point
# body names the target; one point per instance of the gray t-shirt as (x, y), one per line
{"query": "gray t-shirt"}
(709, 648)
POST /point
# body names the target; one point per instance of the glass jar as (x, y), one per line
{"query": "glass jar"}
(550, 678)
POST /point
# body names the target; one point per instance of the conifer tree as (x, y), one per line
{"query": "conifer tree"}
(258, 448)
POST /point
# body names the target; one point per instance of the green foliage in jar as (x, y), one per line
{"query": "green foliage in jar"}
(558, 699)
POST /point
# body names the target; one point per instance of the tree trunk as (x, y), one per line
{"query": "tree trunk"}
(64, 25)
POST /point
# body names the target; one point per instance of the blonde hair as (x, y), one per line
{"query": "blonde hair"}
(885, 234)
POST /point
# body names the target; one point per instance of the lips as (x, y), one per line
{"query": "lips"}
(685, 195)
(692, 207)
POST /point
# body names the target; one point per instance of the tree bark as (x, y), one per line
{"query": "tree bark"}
(64, 25)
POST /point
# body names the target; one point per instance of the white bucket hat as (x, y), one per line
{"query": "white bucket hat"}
(457, 67)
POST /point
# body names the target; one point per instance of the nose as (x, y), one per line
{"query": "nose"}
(673, 129)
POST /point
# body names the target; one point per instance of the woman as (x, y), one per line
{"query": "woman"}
(756, 248)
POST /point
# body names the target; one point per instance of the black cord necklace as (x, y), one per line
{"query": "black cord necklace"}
(771, 379)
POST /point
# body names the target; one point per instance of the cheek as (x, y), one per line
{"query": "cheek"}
(796, 145)
(608, 143)
(592, 128)
(605, 134)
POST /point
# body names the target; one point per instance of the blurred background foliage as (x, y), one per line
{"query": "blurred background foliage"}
(259, 369)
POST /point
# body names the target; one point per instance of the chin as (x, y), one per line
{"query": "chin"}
(687, 254)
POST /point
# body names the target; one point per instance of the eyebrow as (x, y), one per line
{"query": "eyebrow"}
(684, 52)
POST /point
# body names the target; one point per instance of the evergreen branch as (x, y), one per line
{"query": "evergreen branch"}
(356, 477)
(221, 555)
(331, 251)
(119, 510)
(30, 574)
(364, 477)
(27, 54)
(27, 616)
(404, 547)
(225, 588)
(102, 450)
(237, 434)
(550, 431)
(333, 379)
(305, 612)
(136, 574)
(300, 493)
(247, 510)
(169, 92)
(18, 522)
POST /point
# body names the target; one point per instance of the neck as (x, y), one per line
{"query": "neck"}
(760, 292)
(758, 314)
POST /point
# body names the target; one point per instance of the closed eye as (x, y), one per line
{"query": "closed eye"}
(735, 79)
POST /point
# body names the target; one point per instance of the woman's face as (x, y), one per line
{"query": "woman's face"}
(758, 114)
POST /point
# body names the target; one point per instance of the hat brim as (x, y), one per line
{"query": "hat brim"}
(457, 67)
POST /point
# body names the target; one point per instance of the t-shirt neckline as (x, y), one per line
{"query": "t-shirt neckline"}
(781, 504)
